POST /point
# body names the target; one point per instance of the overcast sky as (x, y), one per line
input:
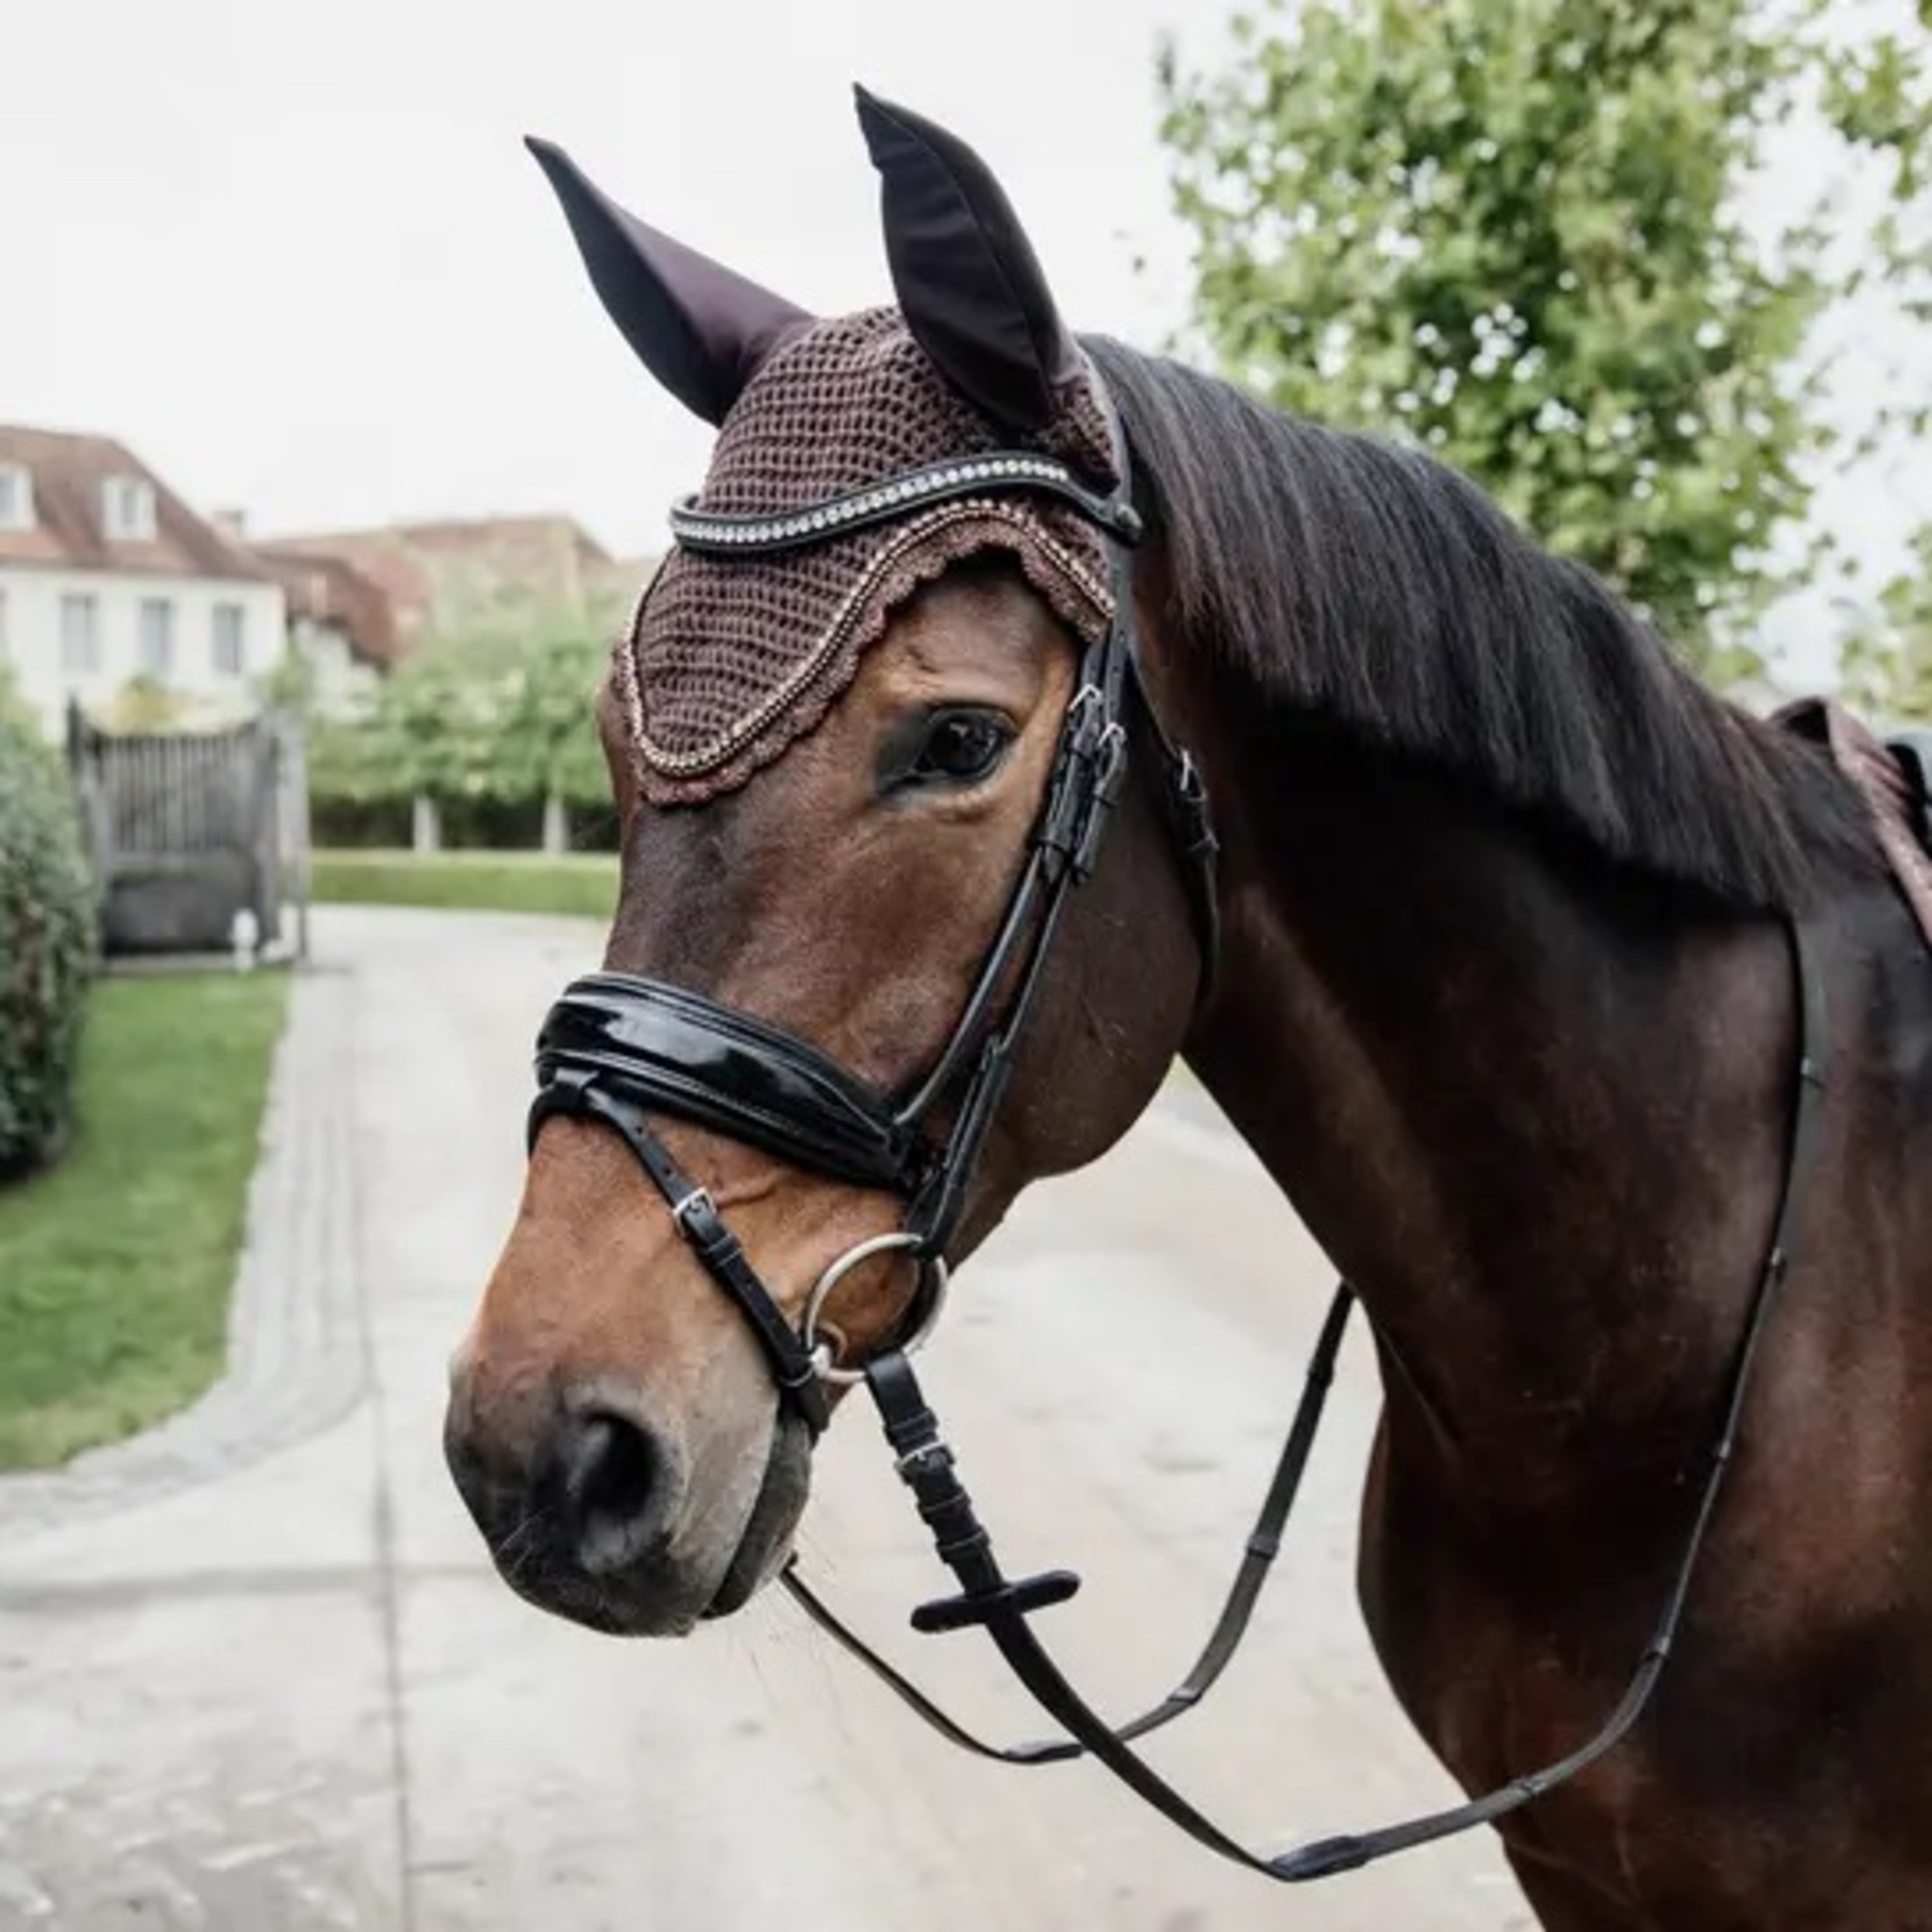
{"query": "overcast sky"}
(296, 256)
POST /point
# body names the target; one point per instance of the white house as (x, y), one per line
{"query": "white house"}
(106, 576)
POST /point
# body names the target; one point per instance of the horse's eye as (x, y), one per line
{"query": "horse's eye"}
(962, 747)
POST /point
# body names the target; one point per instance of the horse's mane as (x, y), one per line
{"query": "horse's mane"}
(1375, 587)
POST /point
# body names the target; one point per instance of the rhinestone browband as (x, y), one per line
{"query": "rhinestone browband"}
(881, 503)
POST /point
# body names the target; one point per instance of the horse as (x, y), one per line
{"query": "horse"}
(1016, 713)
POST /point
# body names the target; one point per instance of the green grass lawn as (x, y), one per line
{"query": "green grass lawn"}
(115, 1263)
(572, 882)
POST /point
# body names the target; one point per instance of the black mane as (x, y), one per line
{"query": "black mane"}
(1375, 586)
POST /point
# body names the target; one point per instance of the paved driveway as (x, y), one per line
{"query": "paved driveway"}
(255, 1672)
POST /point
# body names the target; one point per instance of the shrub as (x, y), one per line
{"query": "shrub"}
(47, 945)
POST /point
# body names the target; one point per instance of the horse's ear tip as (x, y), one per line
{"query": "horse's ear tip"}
(881, 119)
(874, 116)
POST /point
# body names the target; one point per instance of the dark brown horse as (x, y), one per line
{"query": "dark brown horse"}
(1504, 1001)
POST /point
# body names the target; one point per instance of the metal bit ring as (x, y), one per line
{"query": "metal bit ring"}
(820, 1351)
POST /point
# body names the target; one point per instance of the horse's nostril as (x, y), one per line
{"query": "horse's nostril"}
(610, 1480)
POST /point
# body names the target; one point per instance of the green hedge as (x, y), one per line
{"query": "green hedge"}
(583, 882)
(465, 824)
(47, 937)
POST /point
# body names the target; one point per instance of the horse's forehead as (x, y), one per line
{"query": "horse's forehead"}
(730, 661)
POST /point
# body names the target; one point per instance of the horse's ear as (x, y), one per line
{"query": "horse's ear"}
(968, 283)
(700, 329)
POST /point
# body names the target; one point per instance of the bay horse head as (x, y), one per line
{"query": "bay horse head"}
(865, 731)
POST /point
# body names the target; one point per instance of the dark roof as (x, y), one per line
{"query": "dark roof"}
(424, 563)
(331, 590)
(69, 471)
(428, 572)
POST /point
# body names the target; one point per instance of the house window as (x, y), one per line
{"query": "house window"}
(231, 651)
(127, 509)
(16, 497)
(80, 634)
(158, 637)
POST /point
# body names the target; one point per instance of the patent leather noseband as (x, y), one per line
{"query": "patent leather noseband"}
(664, 1047)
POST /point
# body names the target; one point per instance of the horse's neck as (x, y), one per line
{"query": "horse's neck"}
(1539, 1123)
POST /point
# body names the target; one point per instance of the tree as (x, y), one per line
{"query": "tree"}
(291, 685)
(1510, 230)
(545, 734)
(1888, 654)
(498, 707)
(144, 704)
(15, 713)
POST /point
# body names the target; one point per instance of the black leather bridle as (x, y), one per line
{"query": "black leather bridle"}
(617, 1047)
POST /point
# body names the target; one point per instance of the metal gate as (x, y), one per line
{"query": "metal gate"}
(189, 829)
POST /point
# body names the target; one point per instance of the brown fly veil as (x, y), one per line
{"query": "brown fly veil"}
(731, 660)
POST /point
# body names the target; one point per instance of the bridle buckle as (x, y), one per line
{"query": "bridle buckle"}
(1110, 766)
(937, 1454)
(697, 1202)
(1085, 710)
